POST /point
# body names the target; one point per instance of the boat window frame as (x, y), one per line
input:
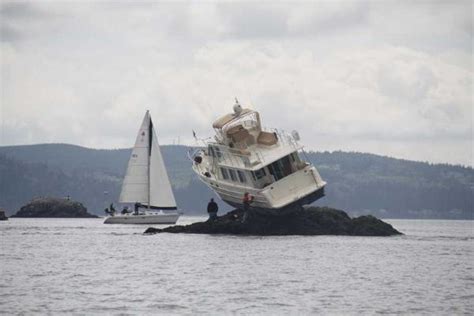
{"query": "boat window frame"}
(224, 173)
(211, 151)
(241, 176)
(292, 157)
(233, 175)
(217, 151)
(259, 174)
(279, 169)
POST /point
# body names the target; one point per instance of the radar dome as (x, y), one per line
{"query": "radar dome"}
(237, 107)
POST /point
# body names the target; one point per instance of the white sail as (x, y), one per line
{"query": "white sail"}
(136, 182)
(146, 180)
(161, 194)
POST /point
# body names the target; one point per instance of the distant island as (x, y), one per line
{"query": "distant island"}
(311, 221)
(54, 207)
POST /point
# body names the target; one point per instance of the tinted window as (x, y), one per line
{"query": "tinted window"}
(225, 175)
(218, 152)
(280, 168)
(292, 157)
(241, 176)
(259, 173)
(232, 175)
(211, 151)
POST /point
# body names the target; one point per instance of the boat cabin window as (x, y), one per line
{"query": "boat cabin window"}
(258, 174)
(232, 175)
(281, 168)
(215, 151)
(225, 174)
(218, 152)
(295, 157)
(241, 176)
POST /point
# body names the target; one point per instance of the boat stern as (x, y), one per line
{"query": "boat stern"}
(302, 187)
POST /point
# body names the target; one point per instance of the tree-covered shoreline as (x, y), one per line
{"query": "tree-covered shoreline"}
(359, 183)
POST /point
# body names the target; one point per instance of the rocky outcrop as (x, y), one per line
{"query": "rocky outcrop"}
(3, 216)
(308, 221)
(53, 207)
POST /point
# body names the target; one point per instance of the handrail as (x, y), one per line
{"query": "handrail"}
(231, 157)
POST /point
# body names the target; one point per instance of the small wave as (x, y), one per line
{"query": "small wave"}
(278, 304)
(120, 308)
(119, 234)
(437, 238)
(167, 306)
(247, 308)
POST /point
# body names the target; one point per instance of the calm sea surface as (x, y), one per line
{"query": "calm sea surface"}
(81, 266)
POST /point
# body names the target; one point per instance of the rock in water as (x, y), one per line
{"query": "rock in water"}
(309, 221)
(3, 216)
(53, 207)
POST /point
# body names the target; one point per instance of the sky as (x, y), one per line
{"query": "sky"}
(387, 77)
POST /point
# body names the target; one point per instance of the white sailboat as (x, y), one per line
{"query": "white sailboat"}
(146, 183)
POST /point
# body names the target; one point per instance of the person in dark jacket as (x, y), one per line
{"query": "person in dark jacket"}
(137, 206)
(212, 209)
(125, 210)
(246, 201)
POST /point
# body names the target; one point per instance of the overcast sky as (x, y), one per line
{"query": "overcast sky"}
(386, 77)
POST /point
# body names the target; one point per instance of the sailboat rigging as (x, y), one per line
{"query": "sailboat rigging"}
(146, 183)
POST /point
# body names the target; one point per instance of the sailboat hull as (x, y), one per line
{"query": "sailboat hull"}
(143, 219)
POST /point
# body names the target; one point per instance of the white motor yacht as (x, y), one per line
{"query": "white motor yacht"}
(266, 163)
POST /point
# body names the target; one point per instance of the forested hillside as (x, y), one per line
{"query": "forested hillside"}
(358, 183)
(388, 187)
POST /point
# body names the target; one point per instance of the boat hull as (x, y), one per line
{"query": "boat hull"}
(142, 219)
(290, 208)
(287, 195)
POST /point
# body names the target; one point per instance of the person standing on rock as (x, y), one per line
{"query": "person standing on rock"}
(212, 209)
(137, 206)
(247, 200)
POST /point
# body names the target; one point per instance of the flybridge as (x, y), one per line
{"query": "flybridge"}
(245, 157)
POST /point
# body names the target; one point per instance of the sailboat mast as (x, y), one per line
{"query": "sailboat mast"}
(150, 140)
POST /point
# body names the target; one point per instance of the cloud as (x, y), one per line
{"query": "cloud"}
(384, 77)
(251, 20)
(22, 21)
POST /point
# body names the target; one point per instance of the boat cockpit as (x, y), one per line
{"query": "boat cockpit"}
(242, 129)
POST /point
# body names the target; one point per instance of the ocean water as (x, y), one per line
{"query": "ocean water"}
(81, 266)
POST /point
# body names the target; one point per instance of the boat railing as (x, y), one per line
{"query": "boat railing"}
(233, 157)
(249, 156)
(222, 156)
(283, 136)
